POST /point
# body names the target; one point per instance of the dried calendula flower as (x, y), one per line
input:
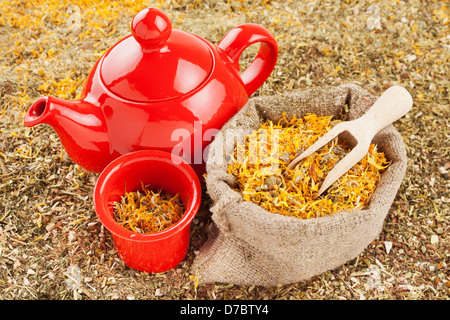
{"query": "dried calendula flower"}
(260, 168)
(148, 211)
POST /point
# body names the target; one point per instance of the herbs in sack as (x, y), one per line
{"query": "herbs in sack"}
(260, 168)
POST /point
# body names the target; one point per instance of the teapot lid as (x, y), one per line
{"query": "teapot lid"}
(156, 62)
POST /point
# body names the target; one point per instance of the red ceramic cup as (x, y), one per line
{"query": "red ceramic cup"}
(151, 252)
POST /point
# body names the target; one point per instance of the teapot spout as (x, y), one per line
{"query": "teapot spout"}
(80, 127)
(37, 112)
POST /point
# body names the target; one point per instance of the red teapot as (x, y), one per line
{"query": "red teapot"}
(158, 88)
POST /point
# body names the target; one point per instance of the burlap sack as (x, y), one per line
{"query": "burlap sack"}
(249, 246)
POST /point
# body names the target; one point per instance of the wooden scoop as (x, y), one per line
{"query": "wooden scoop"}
(394, 103)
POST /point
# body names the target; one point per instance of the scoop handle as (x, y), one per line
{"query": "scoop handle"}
(237, 40)
(393, 104)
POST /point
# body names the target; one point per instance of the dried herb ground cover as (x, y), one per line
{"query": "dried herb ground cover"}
(51, 243)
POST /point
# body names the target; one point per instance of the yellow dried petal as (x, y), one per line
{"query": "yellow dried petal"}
(266, 153)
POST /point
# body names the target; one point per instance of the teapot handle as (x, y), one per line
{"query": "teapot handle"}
(241, 37)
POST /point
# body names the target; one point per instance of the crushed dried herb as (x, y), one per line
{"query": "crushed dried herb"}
(260, 168)
(148, 211)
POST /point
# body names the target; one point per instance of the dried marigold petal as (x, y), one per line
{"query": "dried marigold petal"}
(148, 211)
(260, 168)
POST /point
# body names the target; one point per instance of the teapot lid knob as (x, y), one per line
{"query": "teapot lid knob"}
(151, 27)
